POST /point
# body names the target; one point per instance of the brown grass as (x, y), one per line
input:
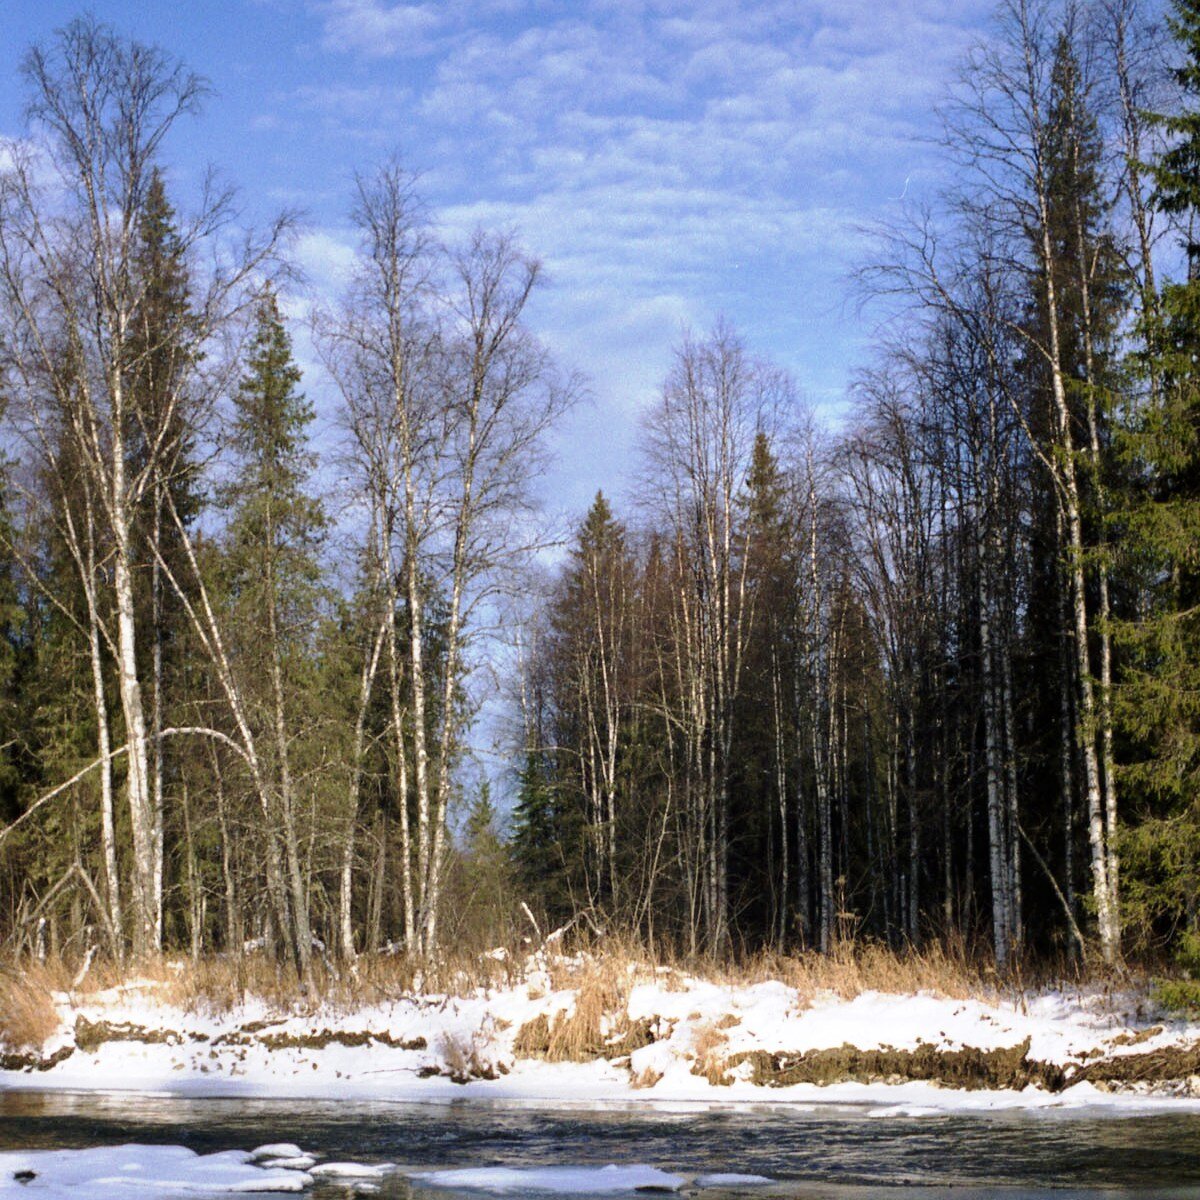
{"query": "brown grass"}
(709, 1044)
(597, 1023)
(851, 970)
(601, 972)
(27, 1013)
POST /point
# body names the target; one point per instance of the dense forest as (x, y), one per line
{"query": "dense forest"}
(933, 674)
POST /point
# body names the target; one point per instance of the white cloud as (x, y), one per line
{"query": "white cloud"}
(668, 159)
(327, 258)
(379, 29)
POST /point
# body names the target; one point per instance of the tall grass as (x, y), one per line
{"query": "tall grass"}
(600, 972)
(27, 1013)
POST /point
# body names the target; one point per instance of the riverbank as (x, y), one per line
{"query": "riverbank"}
(584, 1029)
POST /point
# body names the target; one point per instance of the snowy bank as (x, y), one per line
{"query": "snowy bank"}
(611, 1037)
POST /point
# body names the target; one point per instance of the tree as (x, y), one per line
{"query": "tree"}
(700, 442)
(275, 534)
(589, 639)
(1160, 686)
(448, 398)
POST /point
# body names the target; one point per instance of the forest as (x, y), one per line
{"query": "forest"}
(928, 675)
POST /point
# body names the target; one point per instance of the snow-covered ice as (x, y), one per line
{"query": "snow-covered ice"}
(583, 1181)
(134, 1172)
(351, 1170)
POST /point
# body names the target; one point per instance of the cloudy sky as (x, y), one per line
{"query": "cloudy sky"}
(668, 160)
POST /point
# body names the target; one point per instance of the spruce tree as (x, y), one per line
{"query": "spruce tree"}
(275, 535)
(1160, 688)
(161, 350)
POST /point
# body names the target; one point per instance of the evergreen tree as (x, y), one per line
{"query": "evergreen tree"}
(547, 843)
(161, 359)
(762, 800)
(1160, 689)
(275, 535)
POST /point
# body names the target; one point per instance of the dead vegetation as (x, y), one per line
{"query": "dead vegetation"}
(597, 1025)
(27, 1013)
(597, 981)
(463, 1060)
(600, 972)
(709, 1042)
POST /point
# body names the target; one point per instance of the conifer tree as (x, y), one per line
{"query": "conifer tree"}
(161, 358)
(1160, 690)
(275, 534)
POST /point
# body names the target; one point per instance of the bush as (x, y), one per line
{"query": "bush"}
(1182, 996)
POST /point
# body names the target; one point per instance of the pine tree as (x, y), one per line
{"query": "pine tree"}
(589, 621)
(762, 802)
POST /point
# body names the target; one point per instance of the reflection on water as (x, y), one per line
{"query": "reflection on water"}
(842, 1154)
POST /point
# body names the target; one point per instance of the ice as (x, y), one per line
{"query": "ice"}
(277, 1150)
(726, 1179)
(581, 1181)
(134, 1172)
(351, 1170)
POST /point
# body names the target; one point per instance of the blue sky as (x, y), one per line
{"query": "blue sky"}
(668, 160)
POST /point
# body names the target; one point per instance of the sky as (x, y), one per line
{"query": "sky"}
(668, 161)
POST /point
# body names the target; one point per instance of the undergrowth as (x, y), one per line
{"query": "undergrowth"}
(595, 975)
(27, 1013)
(1182, 995)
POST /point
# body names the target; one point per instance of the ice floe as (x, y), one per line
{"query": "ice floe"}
(134, 1172)
(565, 1181)
(351, 1170)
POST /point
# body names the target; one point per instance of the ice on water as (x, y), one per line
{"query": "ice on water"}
(583, 1181)
(134, 1172)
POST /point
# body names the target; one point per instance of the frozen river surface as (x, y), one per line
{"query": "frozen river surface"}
(842, 1154)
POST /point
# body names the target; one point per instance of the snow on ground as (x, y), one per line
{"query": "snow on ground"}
(424, 1047)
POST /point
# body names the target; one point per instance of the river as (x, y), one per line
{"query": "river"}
(819, 1152)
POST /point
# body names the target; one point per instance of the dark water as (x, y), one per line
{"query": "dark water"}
(841, 1154)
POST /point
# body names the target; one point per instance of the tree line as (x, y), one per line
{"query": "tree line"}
(931, 675)
(234, 696)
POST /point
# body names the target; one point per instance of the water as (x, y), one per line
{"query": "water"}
(842, 1154)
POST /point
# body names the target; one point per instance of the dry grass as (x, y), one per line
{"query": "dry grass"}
(597, 1022)
(464, 1060)
(219, 984)
(709, 1042)
(27, 1013)
(601, 973)
(853, 969)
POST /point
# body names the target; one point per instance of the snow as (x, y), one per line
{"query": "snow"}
(277, 1150)
(135, 1172)
(414, 1046)
(351, 1170)
(564, 1181)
